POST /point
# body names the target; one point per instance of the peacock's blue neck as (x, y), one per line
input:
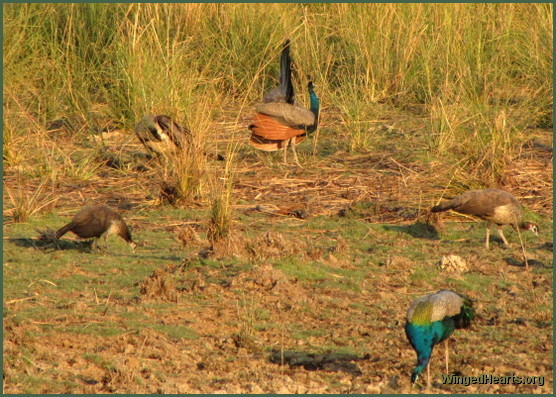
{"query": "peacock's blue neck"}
(314, 102)
(315, 107)
(424, 337)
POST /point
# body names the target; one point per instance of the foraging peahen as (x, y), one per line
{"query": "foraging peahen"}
(95, 222)
(280, 123)
(492, 205)
(431, 319)
(160, 134)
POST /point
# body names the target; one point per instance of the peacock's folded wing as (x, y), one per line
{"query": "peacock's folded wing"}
(294, 116)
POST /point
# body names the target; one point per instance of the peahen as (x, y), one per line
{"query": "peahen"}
(160, 134)
(280, 123)
(95, 222)
(431, 319)
(492, 205)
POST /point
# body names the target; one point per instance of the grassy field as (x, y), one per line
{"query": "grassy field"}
(419, 102)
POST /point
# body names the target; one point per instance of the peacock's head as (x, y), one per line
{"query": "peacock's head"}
(414, 377)
(422, 364)
(310, 85)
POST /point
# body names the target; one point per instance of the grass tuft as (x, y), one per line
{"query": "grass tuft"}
(26, 204)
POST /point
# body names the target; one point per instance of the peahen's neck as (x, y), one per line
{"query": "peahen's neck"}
(315, 106)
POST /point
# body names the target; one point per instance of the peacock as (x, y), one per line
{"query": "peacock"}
(431, 319)
(160, 134)
(279, 122)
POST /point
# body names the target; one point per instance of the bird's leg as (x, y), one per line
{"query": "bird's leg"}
(286, 144)
(488, 235)
(501, 234)
(295, 153)
(429, 375)
(447, 359)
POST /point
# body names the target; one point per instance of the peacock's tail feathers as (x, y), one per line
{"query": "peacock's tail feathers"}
(285, 92)
(286, 85)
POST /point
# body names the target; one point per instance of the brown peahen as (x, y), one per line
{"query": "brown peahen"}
(95, 222)
(492, 205)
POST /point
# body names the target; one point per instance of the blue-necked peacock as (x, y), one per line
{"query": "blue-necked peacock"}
(431, 319)
(280, 123)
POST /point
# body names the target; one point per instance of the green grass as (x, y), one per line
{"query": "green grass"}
(174, 332)
(305, 333)
(99, 361)
(302, 271)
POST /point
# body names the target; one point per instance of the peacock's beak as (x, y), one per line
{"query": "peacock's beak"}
(414, 380)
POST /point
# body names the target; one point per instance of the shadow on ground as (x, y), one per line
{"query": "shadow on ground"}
(521, 263)
(548, 246)
(84, 246)
(417, 230)
(314, 362)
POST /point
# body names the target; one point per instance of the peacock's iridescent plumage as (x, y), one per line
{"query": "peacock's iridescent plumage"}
(315, 106)
(433, 318)
(279, 121)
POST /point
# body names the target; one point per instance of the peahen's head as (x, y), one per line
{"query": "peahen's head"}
(531, 226)
(124, 232)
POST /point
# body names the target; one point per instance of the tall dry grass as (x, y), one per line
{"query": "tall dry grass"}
(65, 59)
